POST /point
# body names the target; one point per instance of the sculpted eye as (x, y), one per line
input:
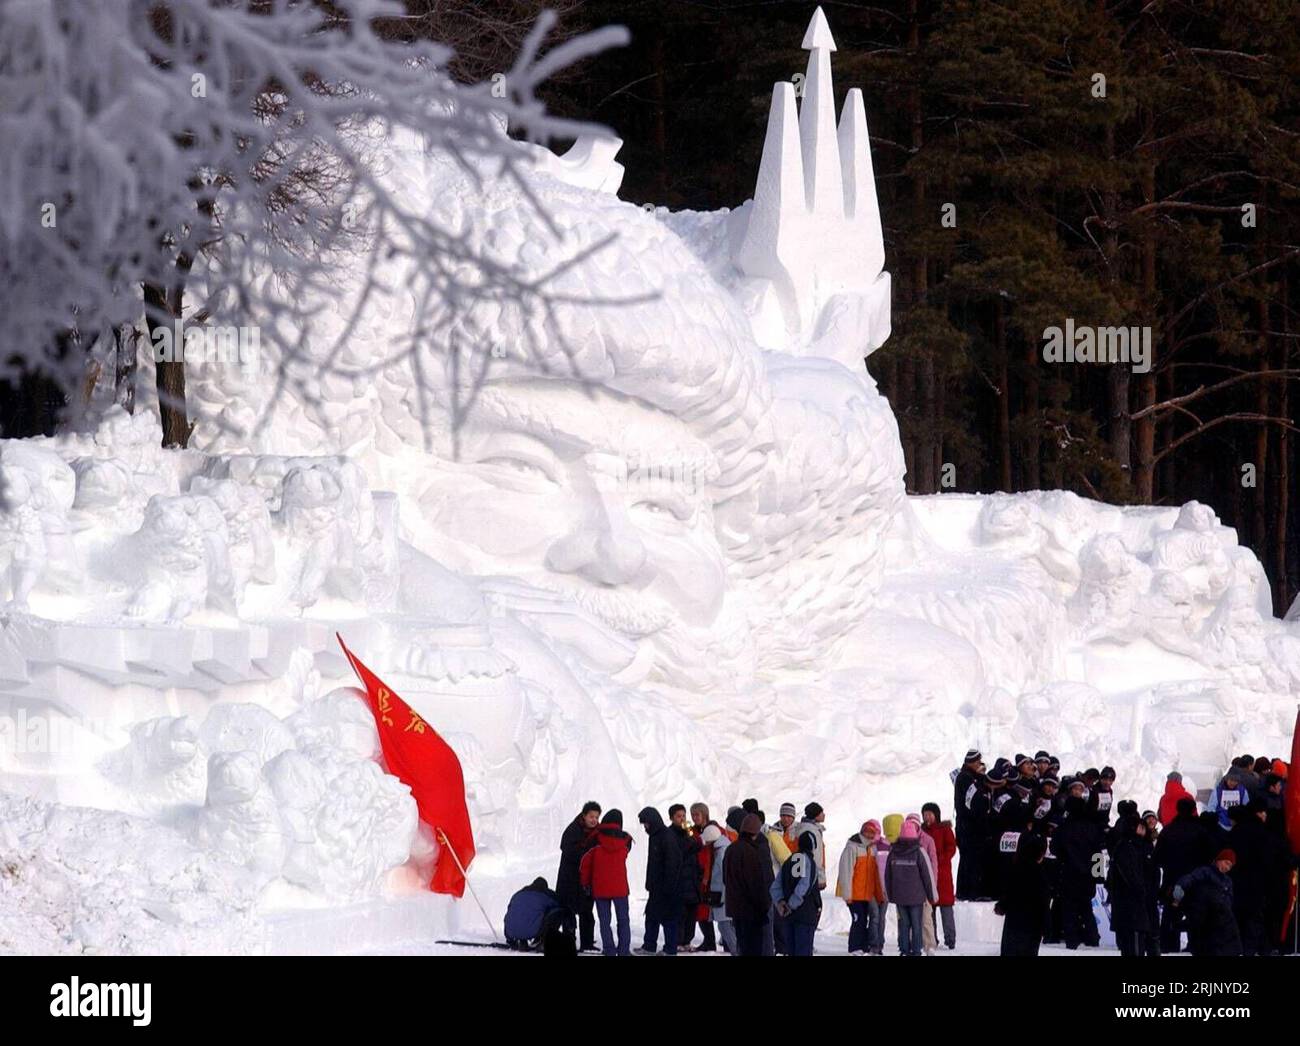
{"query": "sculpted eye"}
(520, 467)
(664, 508)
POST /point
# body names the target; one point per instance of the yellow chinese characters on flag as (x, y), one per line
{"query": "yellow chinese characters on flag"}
(416, 754)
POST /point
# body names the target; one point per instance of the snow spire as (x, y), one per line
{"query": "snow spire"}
(821, 165)
(860, 203)
(813, 227)
(779, 195)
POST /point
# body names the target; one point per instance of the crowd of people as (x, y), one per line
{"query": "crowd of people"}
(1040, 844)
(748, 886)
(1035, 843)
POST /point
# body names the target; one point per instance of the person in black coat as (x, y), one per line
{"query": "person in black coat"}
(1206, 895)
(747, 881)
(1129, 884)
(1078, 845)
(690, 872)
(969, 791)
(1024, 901)
(1182, 847)
(1262, 868)
(663, 883)
(578, 838)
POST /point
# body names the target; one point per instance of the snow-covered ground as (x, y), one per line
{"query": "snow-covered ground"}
(652, 547)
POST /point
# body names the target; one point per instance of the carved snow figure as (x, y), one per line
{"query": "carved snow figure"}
(37, 488)
(160, 767)
(311, 512)
(183, 550)
(240, 818)
(248, 525)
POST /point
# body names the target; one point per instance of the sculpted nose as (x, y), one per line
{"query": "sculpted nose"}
(604, 548)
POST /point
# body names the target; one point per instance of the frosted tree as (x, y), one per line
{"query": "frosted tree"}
(143, 138)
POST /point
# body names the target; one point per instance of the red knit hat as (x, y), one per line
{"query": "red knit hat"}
(1226, 855)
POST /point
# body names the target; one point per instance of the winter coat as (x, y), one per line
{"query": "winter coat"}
(747, 877)
(797, 885)
(576, 840)
(931, 852)
(1206, 896)
(526, 913)
(1076, 845)
(689, 874)
(717, 871)
(1226, 798)
(859, 875)
(882, 859)
(1102, 803)
(1024, 901)
(909, 879)
(663, 872)
(945, 845)
(603, 871)
(778, 849)
(1128, 884)
(1168, 808)
(1181, 848)
(704, 858)
(1262, 864)
(807, 826)
(966, 787)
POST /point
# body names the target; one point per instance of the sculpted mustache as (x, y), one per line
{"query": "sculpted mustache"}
(635, 615)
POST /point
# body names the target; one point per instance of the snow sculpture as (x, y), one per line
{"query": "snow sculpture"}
(647, 540)
(812, 231)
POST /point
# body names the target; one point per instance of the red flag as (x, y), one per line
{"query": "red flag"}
(426, 763)
(1292, 801)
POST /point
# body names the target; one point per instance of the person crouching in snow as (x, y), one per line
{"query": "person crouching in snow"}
(535, 917)
(797, 895)
(945, 845)
(909, 883)
(603, 874)
(861, 885)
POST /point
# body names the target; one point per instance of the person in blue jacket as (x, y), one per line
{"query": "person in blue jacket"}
(797, 896)
(1230, 792)
(532, 913)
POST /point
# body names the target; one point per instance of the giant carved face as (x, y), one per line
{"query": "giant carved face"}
(585, 492)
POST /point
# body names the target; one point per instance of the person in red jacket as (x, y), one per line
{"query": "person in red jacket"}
(945, 847)
(603, 874)
(1174, 791)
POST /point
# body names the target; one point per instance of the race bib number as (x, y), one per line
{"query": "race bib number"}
(1230, 798)
(1009, 842)
(1103, 800)
(970, 795)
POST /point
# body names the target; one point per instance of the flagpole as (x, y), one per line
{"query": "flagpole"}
(443, 840)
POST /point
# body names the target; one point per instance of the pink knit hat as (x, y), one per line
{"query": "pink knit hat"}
(910, 830)
(875, 827)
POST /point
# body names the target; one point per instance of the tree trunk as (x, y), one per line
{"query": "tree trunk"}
(1144, 436)
(160, 309)
(1004, 396)
(124, 337)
